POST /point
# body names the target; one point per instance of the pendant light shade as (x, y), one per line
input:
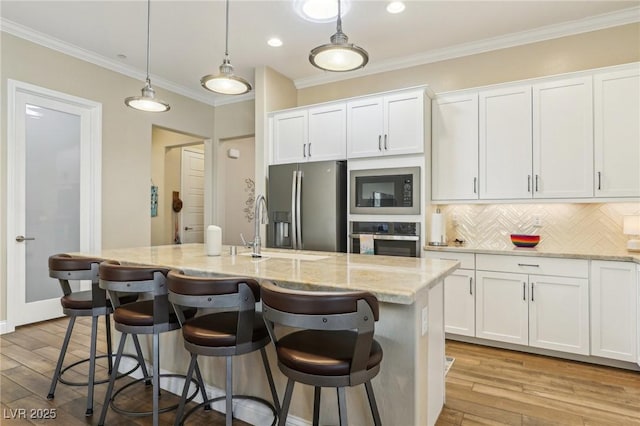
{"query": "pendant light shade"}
(226, 82)
(339, 55)
(147, 102)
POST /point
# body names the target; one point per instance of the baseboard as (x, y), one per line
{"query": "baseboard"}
(5, 327)
(246, 410)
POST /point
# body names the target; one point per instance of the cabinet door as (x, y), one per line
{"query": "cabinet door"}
(454, 159)
(563, 139)
(505, 143)
(559, 313)
(617, 133)
(459, 303)
(364, 127)
(290, 137)
(613, 310)
(502, 307)
(404, 123)
(327, 133)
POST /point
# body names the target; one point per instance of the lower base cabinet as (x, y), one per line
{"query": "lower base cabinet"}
(614, 320)
(459, 303)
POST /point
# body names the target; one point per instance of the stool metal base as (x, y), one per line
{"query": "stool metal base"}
(95, 382)
(147, 380)
(208, 403)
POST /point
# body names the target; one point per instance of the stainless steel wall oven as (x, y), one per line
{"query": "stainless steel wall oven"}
(389, 238)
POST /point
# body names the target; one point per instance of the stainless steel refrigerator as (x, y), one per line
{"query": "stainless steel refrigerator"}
(308, 206)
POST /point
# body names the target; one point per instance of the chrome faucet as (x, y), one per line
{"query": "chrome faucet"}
(260, 215)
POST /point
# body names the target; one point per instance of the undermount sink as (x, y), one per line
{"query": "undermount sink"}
(281, 255)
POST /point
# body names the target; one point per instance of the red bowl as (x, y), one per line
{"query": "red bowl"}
(522, 240)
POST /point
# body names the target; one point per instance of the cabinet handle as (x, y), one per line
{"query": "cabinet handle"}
(599, 181)
(475, 181)
(524, 291)
(309, 149)
(379, 142)
(528, 183)
(536, 183)
(385, 142)
(532, 285)
(529, 264)
(304, 150)
(471, 286)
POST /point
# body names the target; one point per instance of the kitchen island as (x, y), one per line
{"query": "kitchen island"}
(410, 386)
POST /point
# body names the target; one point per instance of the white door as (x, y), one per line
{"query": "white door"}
(404, 123)
(54, 150)
(454, 152)
(192, 190)
(364, 128)
(290, 133)
(502, 311)
(459, 303)
(505, 143)
(327, 133)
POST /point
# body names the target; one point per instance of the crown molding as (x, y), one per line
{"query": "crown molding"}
(607, 20)
(36, 37)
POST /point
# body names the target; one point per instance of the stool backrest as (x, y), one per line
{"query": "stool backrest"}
(216, 293)
(66, 267)
(333, 311)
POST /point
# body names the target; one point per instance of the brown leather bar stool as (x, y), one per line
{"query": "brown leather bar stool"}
(93, 303)
(234, 328)
(334, 346)
(153, 316)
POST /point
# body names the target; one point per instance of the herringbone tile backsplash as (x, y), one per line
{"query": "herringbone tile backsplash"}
(565, 227)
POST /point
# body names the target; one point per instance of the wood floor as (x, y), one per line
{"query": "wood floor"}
(485, 386)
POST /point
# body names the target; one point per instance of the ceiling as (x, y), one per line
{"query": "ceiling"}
(187, 37)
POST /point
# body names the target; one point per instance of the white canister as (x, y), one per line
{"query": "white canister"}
(213, 240)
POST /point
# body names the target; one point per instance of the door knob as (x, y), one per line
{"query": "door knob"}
(21, 238)
(188, 228)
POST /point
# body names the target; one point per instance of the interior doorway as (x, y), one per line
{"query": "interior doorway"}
(167, 215)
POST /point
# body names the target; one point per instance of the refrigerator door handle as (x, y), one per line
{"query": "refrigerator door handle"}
(293, 210)
(299, 208)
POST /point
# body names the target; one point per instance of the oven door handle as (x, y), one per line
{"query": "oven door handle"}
(389, 237)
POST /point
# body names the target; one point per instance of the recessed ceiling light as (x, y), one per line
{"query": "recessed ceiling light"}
(395, 7)
(320, 10)
(274, 42)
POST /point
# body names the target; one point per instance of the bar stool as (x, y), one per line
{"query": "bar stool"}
(235, 328)
(152, 316)
(93, 303)
(334, 346)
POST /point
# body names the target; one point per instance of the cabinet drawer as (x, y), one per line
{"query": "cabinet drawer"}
(467, 260)
(533, 265)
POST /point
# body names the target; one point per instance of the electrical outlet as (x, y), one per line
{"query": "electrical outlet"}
(454, 219)
(425, 320)
(537, 221)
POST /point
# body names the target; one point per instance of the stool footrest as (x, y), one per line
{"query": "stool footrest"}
(147, 380)
(95, 382)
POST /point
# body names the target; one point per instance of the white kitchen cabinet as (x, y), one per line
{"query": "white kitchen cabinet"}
(392, 124)
(459, 293)
(454, 151)
(516, 302)
(614, 319)
(563, 138)
(617, 133)
(505, 142)
(502, 311)
(309, 134)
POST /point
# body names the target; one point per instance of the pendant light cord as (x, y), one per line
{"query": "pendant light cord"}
(339, 23)
(148, 37)
(226, 38)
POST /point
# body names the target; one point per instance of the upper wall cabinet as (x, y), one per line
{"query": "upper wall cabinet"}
(617, 133)
(454, 153)
(505, 143)
(563, 138)
(310, 134)
(392, 124)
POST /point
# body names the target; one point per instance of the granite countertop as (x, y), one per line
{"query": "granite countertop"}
(390, 279)
(591, 254)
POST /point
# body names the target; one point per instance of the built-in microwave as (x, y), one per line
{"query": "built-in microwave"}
(385, 191)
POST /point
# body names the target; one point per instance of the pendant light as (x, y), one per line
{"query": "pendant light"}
(226, 82)
(339, 55)
(147, 102)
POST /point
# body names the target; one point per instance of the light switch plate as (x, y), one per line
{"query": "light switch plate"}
(425, 320)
